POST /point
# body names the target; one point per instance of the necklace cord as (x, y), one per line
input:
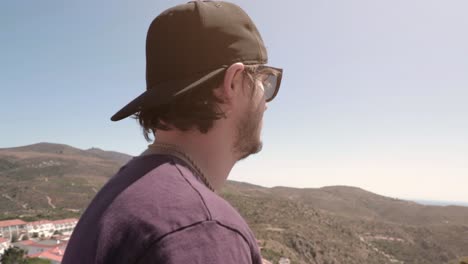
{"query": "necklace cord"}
(176, 151)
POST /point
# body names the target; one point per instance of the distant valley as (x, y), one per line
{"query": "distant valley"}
(336, 224)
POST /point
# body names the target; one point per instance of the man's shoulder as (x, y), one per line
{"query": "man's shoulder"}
(163, 199)
(170, 197)
(219, 210)
(170, 189)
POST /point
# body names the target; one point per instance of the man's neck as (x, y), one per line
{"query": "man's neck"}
(210, 152)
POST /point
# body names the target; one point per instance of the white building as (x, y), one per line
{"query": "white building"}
(65, 226)
(41, 229)
(284, 261)
(4, 245)
(10, 228)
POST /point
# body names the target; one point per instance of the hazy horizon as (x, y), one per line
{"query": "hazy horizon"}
(420, 200)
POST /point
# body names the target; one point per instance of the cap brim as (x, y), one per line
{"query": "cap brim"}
(163, 93)
(130, 109)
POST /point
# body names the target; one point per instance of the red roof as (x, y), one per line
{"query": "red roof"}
(65, 221)
(50, 254)
(61, 237)
(40, 222)
(26, 242)
(57, 251)
(4, 240)
(14, 222)
(36, 244)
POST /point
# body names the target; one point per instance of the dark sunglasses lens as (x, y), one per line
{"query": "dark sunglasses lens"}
(269, 85)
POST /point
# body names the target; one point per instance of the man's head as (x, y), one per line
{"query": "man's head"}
(259, 87)
(195, 52)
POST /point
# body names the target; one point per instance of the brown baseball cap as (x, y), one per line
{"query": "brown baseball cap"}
(191, 43)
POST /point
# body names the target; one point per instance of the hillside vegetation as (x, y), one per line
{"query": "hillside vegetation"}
(336, 224)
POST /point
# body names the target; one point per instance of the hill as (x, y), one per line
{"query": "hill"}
(336, 224)
(43, 178)
(341, 224)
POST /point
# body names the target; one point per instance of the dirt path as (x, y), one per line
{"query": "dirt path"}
(49, 201)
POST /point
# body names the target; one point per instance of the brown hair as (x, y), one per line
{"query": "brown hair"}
(198, 108)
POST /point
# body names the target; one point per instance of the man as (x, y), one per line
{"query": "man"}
(207, 89)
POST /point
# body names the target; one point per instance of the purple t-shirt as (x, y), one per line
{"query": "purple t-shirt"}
(156, 210)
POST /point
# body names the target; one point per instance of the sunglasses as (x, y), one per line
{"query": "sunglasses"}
(270, 78)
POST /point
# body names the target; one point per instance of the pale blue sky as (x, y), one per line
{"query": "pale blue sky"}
(374, 92)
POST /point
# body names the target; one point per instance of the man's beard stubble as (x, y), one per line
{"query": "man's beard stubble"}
(247, 139)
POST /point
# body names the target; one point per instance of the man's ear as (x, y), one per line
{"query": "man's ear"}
(232, 80)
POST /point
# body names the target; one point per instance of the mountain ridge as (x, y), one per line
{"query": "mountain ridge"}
(60, 148)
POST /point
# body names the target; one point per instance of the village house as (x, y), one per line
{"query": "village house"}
(65, 226)
(44, 247)
(4, 245)
(41, 229)
(47, 249)
(18, 229)
(11, 228)
(54, 255)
